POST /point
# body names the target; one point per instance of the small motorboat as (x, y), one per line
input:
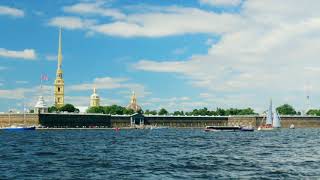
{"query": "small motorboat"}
(19, 128)
(222, 128)
(158, 127)
(246, 128)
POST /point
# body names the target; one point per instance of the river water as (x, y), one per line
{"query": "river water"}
(159, 154)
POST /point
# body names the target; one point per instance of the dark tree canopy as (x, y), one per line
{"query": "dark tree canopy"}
(52, 109)
(163, 111)
(286, 109)
(314, 112)
(148, 112)
(65, 108)
(68, 108)
(98, 109)
(178, 113)
(113, 110)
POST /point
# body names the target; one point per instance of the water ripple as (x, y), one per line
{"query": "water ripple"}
(160, 154)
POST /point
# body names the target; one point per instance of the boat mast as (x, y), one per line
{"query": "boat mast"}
(9, 117)
(24, 113)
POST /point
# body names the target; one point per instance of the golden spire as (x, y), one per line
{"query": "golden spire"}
(133, 98)
(59, 82)
(60, 51)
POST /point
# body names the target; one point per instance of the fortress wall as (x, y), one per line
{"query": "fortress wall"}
(101, 120)
(120, 121)
(74, 120)
(186, 121)
(300, 122)
(243, 121)
(286, 121)
(9, 119)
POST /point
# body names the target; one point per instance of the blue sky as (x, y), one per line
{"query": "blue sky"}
(175, 54)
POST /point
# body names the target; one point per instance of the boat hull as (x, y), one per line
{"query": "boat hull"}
(19, 128)
(247, 129)
(266, 129)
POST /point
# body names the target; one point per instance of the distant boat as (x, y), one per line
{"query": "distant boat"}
(19, 128)
(272, 120)
(222, 128)
(22, 127)
(247, 128)
(227, 128)
(157, 127)
(292, 126)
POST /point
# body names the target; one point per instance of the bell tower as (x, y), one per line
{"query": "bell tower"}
(59, 82)
(94, 99)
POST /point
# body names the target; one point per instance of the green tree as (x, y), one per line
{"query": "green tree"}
(204, 112)
(178, 113)
(68, 108)
(148, 112)
(163, 112)
(114, 110)
(98, 109)
(286, 109)
(247, 111)
(221, 112)
(52, 109)
(128, 111)
(314, 112)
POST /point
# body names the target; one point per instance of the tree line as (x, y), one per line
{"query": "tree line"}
(285, 109)
(66, 108)
(119, 110)
(204, 112)
(113, 110)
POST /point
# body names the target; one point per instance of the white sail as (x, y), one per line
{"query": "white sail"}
(276, 120)
(269, 114)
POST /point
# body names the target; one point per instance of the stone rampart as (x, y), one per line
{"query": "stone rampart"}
(9, 119)
(63, 120)
(286, 121)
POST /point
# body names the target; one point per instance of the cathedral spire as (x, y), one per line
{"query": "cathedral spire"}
(59, 82)
(133, 98)
(94, 99)
(133, 103)
(60, 51)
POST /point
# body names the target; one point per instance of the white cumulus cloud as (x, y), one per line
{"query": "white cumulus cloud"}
(274, 56)
(220, 2)
(9, 11)
(94, 9)
(70, 22)
(28, 54)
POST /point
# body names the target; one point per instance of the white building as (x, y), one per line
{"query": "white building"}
(41, 106)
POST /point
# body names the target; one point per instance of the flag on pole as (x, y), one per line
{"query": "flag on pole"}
(44, 77)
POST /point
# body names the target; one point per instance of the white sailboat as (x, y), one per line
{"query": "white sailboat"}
(272, 120)
(276, 120)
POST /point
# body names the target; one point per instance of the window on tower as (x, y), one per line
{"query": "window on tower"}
(58, 89)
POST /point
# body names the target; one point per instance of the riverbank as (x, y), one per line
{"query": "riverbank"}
(86, 121)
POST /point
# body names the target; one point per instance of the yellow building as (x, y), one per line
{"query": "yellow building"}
(59, 82)
(133, 103)
(94, 99)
